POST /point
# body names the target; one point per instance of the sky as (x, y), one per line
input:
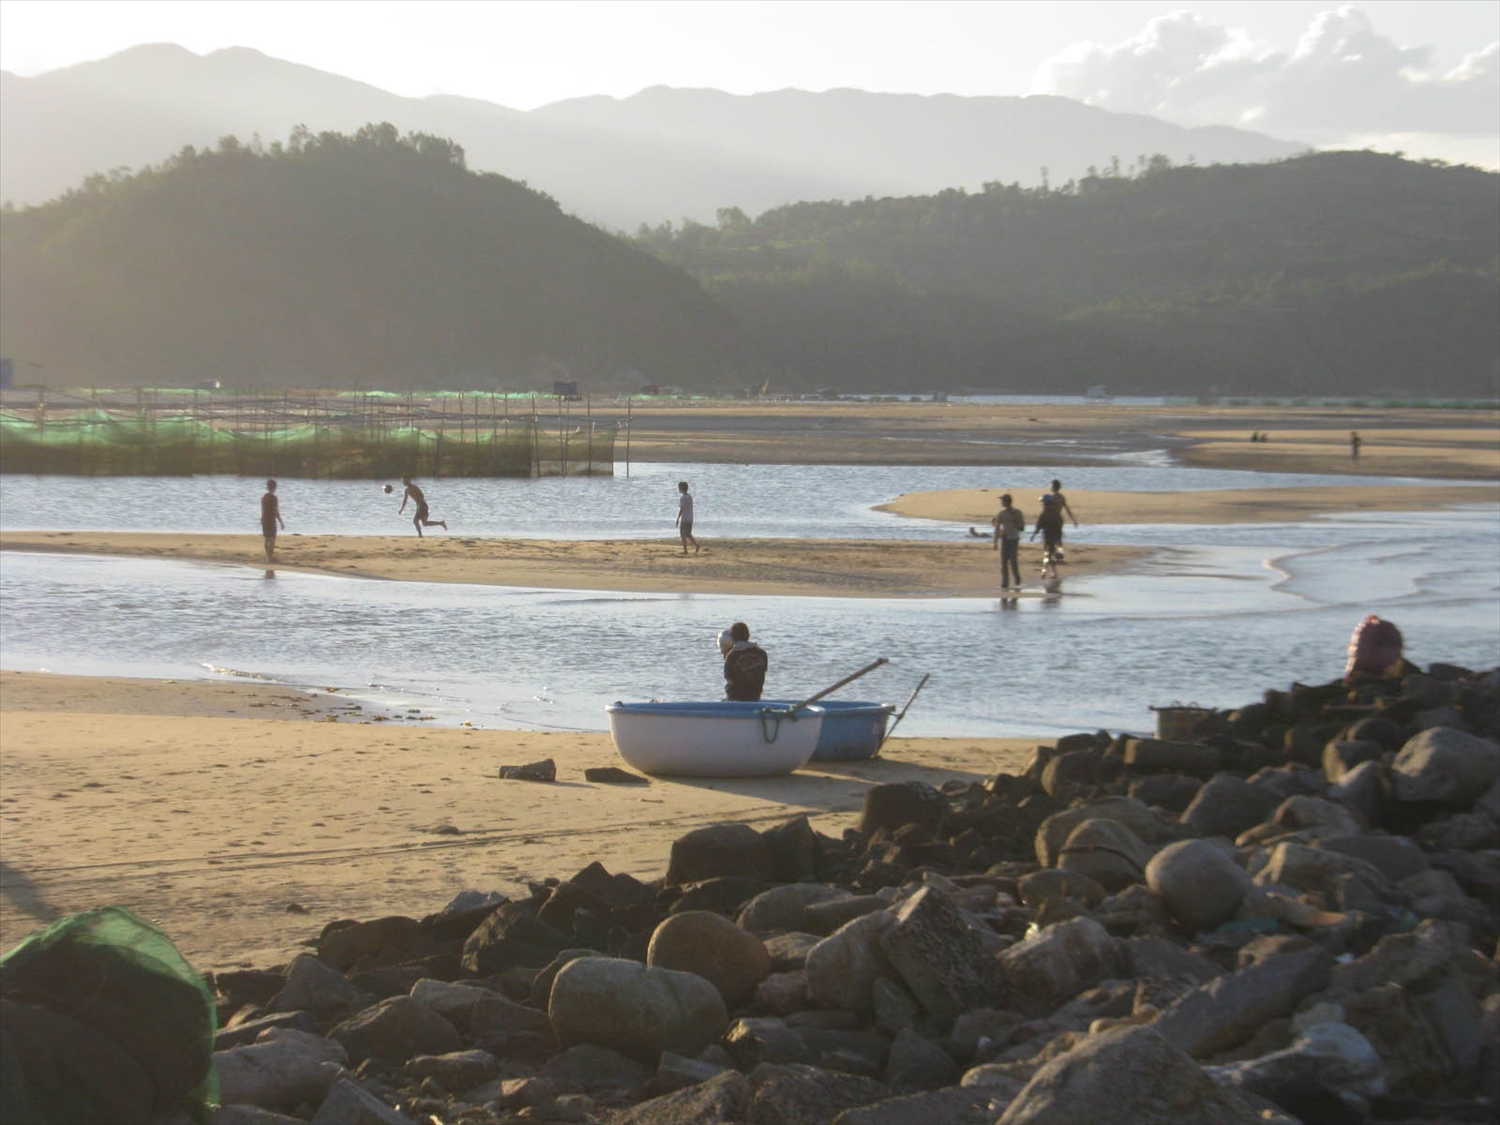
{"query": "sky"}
(1416, 76)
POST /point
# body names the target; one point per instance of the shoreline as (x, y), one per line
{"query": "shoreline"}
(242, 818)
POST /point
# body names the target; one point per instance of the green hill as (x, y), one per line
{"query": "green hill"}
(374, 260)
(1338, 273)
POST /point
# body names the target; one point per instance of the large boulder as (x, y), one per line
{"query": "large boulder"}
(396, 1030)
(720, 850)
(283, 1070)
(1128, 1074)
(780, 908)
(512, 935)
(945, 963)
(1445, 766)
(1055, 830)
(1198, 882)
(1107, 852)
(1227, 805)
(1228, 1010)
(843, 967)
(794, 1094)
(635, 1009)
(1327, 1064)
(1050, 968)
(710, 945)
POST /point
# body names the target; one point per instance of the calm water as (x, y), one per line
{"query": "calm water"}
(1221, 614)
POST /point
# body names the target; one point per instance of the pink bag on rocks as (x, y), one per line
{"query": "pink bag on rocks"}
(1374, 647)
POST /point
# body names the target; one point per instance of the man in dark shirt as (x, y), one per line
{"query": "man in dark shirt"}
(744, 663)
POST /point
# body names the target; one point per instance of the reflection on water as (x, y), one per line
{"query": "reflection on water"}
(1212, 624)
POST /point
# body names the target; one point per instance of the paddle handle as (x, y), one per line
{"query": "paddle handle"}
(909, 700)
(846, 680)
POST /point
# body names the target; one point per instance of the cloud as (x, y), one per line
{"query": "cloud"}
(1341, 79)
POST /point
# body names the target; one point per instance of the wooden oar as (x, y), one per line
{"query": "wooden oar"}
(846, 680)
(905, 709)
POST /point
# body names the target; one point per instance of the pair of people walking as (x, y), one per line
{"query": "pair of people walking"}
(1009, 524)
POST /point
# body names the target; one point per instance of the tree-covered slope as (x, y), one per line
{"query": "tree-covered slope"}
(1334, 273)
(374, 260)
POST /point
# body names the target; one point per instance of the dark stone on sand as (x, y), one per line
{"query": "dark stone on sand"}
(545, 770)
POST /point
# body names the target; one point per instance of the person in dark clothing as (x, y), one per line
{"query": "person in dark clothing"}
(1009, 523)
(270, 519)
(744, 663)
(1050, 524)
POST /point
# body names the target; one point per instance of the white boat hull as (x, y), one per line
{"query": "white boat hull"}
(714, 739)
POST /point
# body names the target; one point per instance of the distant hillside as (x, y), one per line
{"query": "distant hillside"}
(662, 154)
(368, 261)
(1335, 273)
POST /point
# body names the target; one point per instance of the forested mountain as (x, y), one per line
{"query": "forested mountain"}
(662, 154)
(373, 261)
(1334, 273)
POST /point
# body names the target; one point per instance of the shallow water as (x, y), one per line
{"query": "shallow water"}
(1220, 615)
(732, 501)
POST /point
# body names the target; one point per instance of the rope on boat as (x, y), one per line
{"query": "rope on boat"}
(770, 721)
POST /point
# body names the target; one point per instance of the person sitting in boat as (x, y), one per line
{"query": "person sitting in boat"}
(744, 663)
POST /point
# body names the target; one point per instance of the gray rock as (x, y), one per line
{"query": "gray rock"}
(1058, 963)
(720, 850)
(1153, 755)
(1395, 857)
(1055, 830)
(1457, 1023)
(1362, 791)
(900, 803)
(780, 994)
(1227, 805)
(1170, 791)
(763, 1039)
(242, 1033)
(1135, 910)
(589, 1068)
(1341, 755)
(780, 908)
(789, 950)
(1329, 1061)
(842, 968)
(634, 1009)
(344, 947)
(732, 959)
(283, 1070)
(395, 1030)
(1127, 1074)
(916, 1063)
(613, 775)
(894, 1007)
(458, 1070)
(826, 917)
(1310, 816)
(942, 959)
(512, 935)
(1446, 766)
(1052, 882)
(1107, 852)
(545, 770)
(1489, 802)
(477, 1011)
(715, 1101)
(1155, 958)
(1228, 1010)
(349, 1103)
(1314, 870)
(805, 1095)
(677, 1072)
(953, 1106)
(312, 986)
(1198, 882)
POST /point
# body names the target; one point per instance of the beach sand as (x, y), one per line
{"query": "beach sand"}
(242, 818)
(243, 836)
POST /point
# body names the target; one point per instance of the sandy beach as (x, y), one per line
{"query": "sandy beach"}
(243, 818)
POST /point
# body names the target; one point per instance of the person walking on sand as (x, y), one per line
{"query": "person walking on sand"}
(1354, 445)
(1049, 523)
(1062, 502)
(744, 663)
(1009, 523)
(420, 519)
(684, 519)
(270, 519)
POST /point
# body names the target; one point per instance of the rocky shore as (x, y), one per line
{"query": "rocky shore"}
(1289, 914)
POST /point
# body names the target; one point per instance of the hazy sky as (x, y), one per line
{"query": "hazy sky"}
(1421, 76)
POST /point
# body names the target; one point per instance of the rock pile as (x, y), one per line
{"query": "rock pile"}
(1291, 915)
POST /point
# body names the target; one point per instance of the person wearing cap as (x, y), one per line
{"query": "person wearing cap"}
(1009, 523)
(744, 663)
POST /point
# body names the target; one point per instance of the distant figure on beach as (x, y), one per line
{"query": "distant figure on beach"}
(1009, 523)
(420, 519)
(684, 520)
(1354, 445)
(1050, 523)
(1062, 503)
(744, 663)
(270, 519)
